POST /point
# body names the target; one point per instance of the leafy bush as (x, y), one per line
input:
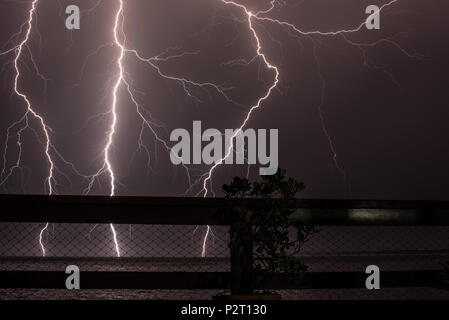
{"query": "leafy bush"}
(265, 222)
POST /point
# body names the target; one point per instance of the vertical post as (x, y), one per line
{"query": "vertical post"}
(242, 282)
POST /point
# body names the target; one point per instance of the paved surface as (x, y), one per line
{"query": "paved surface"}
(349, 294)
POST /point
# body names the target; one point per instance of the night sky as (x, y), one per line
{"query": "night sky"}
(384, 103)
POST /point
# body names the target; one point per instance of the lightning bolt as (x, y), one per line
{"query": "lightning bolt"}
(261, 16)
(107, 164)
(261, 55)
(146, 123)
(23, 122)
(107, 161)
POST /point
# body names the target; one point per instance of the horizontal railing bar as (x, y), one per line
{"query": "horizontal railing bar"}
(200, 211)
(209, 280)
(321, 254)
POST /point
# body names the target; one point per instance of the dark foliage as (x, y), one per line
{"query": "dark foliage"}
(265, 221)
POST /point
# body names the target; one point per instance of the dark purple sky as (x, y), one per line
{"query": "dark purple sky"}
(387, 119)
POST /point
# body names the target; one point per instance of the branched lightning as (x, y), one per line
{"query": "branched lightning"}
(107, 161)
(261, 16)
(24, 120)
(248, 115)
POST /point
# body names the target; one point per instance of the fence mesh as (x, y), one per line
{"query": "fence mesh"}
(407, 244)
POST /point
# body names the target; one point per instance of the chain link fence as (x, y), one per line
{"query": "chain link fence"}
(164, 248)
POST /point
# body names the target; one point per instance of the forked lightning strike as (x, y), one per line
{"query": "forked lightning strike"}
(114, 114)
(260, 16)
(25, 118)
(248, 115)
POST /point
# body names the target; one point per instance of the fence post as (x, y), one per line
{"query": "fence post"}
(241, 254)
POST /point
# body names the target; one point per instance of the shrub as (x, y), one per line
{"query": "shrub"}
(261, 240)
